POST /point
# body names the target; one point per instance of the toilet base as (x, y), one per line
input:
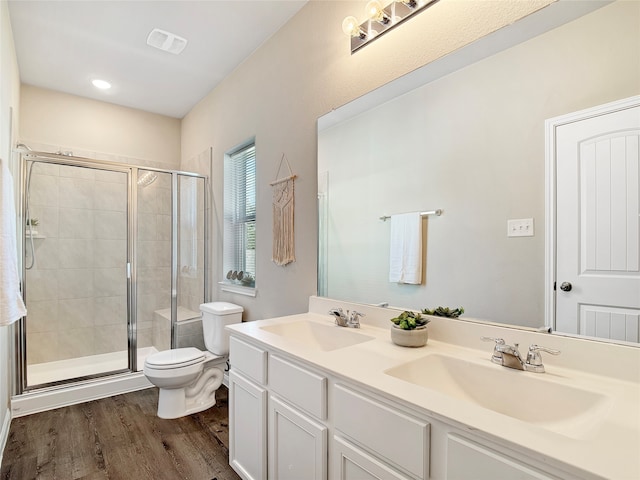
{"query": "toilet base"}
(196, 397)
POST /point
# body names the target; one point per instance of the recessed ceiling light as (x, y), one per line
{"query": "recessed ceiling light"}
(101, 84)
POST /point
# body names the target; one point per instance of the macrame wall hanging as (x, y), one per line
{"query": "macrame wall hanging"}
(283, 208)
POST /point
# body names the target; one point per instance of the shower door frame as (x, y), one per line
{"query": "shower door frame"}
(20, 385)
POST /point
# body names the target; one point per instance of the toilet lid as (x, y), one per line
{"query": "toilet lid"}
(177, 357)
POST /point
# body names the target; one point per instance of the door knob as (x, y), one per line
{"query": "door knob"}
(566, 286)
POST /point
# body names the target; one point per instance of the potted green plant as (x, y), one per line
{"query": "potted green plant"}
(444, 312)
(409, 329)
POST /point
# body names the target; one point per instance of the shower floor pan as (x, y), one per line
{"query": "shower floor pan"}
(42, 373)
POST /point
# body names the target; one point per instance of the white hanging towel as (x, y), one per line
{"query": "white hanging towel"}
(405, 252)
(11, 305)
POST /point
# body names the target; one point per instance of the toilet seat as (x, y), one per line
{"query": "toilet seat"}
(175, 358)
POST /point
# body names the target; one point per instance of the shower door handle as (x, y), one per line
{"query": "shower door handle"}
(129, 270)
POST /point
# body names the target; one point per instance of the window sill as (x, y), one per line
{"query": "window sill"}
(239, 289)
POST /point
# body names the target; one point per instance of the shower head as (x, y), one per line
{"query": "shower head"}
(147, 179)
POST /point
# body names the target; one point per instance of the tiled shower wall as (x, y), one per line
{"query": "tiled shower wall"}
(76, 291)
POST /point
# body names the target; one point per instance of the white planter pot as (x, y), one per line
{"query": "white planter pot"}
(410, 338)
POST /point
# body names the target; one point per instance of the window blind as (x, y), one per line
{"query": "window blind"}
(240, 212)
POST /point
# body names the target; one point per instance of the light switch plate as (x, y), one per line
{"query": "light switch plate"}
(520, 227)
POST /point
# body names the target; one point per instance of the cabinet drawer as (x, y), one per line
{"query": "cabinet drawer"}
(467, 459)
(248, 359)
(396, 438)
(304, 389)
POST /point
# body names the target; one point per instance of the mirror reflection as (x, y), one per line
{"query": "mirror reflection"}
(471, 143)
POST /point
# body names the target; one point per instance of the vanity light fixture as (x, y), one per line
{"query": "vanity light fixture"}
(381, 19)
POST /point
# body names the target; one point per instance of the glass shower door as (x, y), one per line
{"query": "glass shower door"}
(170, 261)
(153, 262)
(190, 261)
(76, 288)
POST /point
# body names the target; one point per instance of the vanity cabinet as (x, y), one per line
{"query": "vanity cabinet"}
(290, 420)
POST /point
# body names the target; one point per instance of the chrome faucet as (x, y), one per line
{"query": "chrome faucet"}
(509, 355)
(340, 316)
(348, 319)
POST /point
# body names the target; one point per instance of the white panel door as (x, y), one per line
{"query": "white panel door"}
(598, 226)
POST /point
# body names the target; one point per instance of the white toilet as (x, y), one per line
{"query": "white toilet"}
(188, 377)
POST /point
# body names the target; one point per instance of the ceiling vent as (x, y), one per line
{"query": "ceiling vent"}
(169, 42)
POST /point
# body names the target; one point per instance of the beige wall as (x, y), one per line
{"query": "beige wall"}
(302, 72)
(473, 144)
(9, 98)
(97, 129)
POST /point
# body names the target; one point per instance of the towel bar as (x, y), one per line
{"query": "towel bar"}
(437, 213)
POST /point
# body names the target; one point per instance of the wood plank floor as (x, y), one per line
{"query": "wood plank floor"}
(119, 438)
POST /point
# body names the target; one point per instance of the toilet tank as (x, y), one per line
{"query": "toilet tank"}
(215, 316)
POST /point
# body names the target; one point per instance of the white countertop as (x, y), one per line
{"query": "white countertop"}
(610, 447)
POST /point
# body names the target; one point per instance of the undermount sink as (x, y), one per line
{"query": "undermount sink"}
(560, 408)
(318, 336)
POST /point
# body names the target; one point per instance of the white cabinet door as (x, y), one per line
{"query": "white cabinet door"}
(297, 444)
(351, 463)
(247, 428)
(467, 459)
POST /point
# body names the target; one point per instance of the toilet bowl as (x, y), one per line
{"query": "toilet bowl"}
(188, 377)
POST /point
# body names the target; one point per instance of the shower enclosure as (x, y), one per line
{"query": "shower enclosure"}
(114, 266)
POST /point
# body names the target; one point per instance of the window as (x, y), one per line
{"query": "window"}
(239, 260)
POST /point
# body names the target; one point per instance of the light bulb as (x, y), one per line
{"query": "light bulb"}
(376, 13)
(374, 10)
(350, 26)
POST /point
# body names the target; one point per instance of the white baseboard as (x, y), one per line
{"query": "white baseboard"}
(43, 400)
(4, 433)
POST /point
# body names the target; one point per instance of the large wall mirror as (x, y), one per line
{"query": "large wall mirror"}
(467, 135)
